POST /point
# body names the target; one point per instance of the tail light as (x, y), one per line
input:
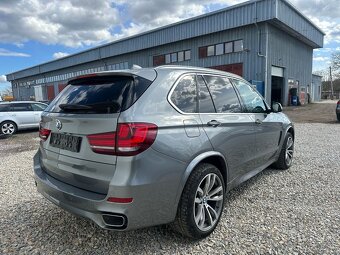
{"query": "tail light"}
(103, 143)
(44, 133)
(130, 139)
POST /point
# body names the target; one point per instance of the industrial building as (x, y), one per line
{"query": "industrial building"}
(268, 42)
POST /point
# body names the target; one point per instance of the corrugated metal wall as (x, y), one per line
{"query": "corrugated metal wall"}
(316, 88)
(294, 19)
(294, 56)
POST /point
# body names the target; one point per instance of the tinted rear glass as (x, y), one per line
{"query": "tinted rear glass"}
(4, 108)
(99, 95)
(223, 93)
(21, 107)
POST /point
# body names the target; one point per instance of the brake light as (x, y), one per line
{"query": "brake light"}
(130, 139)
(103, 143)
(44, 133)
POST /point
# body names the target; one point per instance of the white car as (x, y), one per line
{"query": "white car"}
(18, 115)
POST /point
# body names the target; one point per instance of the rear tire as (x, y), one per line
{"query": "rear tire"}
(8, 128)
(285, 159)
(338, 116)
(201, 204)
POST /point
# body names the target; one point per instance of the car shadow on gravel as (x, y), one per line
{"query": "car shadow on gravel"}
(48, 228)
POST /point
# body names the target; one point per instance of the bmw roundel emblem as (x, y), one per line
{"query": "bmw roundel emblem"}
(58, 124)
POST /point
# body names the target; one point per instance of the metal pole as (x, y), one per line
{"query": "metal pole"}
(330, 76)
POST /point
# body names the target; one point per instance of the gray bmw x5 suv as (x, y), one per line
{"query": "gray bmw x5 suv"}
(143, 147)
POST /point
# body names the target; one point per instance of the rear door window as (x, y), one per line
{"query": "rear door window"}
(184, 96)
(223, 94)
(206, 104)
(21, 107)
(99, 95)
(4, 108)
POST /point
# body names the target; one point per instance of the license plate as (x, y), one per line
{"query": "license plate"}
(65, 142)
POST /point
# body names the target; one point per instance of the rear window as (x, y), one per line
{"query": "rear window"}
(4, 108)
(21, 107)
(99, 95)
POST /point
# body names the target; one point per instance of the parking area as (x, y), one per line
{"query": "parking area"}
(276, 212)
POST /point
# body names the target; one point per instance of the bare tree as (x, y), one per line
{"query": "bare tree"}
(8, 91)
(336, 64)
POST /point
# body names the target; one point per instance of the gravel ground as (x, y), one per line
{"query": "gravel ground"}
(276, 212)
(19, 142)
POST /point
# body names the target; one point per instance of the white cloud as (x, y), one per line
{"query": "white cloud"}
(3, 79)
(321, 59)
(67, 22)
(60, 55)
(8, 53)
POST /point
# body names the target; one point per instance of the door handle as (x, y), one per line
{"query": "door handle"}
(214, 123)
(257, 121)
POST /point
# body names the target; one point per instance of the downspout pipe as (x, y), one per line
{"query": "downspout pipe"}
(259, 53)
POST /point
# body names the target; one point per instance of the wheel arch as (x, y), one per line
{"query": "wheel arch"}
(212, 157)
(291, 130)
(10, 120)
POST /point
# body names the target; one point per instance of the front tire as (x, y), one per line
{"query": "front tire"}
(8, 128)
(201, 204)
(285, 159)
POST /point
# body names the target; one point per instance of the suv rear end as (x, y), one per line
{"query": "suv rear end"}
(106, 150)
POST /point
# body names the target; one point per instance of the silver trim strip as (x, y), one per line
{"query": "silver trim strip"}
(215, 113)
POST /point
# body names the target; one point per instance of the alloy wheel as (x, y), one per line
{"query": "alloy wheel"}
(289, 150)
(8, 128)
(208, 202)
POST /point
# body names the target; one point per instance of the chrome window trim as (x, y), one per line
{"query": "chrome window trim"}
(201, 73)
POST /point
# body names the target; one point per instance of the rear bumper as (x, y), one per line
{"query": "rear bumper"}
(154, 203)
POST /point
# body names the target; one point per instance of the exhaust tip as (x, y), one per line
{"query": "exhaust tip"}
(114, 221)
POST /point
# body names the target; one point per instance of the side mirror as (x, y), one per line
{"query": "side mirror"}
(276, 107)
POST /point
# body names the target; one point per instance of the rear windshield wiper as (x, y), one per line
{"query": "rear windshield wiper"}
(103, 107)
(74, 107)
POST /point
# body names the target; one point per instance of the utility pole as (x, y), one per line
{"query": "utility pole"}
(330, 76)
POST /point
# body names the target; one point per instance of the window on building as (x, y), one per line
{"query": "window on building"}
(203, 52)
(238, 45)
(211, 50)
(173, 57)
(228, 47)
(184, 97)
(187, 55)
(167, 59)
(180, 56)
(219, 49)
(158, 60)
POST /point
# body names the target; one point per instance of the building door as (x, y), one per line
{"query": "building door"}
(50, 92)
(277, 85)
